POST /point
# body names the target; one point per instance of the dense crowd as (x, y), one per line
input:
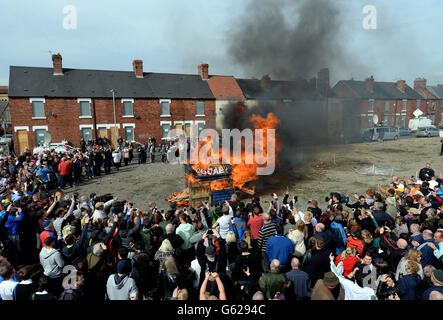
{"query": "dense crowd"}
(388, 245)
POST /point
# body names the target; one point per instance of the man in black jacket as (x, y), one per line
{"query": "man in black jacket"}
(426, 173)
(361, 203)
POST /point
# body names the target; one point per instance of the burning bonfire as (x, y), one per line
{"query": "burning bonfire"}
(217, 182)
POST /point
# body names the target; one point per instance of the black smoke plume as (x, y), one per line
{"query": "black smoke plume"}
(290, 41)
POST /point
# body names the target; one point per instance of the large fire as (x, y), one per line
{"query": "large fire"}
(243, 170)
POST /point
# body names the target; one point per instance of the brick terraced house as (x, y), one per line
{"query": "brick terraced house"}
(72, 104)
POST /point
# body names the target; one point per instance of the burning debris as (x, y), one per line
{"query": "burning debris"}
(231, 172)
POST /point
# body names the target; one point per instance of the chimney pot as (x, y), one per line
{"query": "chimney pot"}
(203, 71)
(137, 66)
(323, 85)
(401, 85)
(419, 83)
(57, 62)
(265, 81)
(370, 84)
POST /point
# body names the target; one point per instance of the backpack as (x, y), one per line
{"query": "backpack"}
(69, 294)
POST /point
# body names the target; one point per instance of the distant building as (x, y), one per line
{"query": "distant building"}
(353, 104)
(224, 88)
(432, 103)
(72, 104)
(5, 116)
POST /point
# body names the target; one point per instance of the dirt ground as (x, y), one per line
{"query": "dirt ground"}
(339, 169)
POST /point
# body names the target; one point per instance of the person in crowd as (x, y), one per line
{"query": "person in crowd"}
(272, 281)
(300, 279)
(120, 286)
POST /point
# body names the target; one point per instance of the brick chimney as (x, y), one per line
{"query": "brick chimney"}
(57, 61)
(401, 85)
(203, 71)
(419, 83)
(137, 66)
(370, 84)
(265, 81)
(323, 81)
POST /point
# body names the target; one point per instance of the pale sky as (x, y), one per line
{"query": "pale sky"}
(174, 36)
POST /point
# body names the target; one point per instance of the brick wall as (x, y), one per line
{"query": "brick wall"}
(65, 122)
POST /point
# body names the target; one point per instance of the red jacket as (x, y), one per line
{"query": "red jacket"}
(64, 168)
(355, 243)
(348, 264)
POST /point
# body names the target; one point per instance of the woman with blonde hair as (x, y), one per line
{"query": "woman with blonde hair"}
(346, 261)
(168, 278)
(308, 228)
(232, 249)
(409, 285)
(411, 255)
(165, 251)
(298, 239)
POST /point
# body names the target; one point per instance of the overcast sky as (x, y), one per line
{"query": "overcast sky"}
(174, 36)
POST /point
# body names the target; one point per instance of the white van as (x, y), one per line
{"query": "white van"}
(386, 133)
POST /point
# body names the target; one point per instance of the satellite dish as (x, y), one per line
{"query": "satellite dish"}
(48, 139)
(375, 119)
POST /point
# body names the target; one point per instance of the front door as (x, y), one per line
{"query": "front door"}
(22, 140)
(114, 137)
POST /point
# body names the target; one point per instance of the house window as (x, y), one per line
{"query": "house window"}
(403, 105)
(370, 121)
(38, 109)
(386, 121)
(127, 108)
(87, 134)
(129, 134)
(85, 107)
(165, 107)
(418, 104)
(165, 130)
(433, 118)
(371, 105)
(200, 108)
(387, 106)
(40, 136)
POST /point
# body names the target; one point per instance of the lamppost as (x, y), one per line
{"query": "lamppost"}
(115, 121)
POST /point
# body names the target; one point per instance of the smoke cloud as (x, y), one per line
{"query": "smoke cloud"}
(291, 41)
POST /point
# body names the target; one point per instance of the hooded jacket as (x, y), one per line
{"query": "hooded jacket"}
(52, 262)
(185, 231)
(120, 287)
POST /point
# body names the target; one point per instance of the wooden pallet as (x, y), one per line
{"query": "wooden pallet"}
(199, 193)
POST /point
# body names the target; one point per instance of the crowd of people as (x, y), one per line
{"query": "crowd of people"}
(388, 245)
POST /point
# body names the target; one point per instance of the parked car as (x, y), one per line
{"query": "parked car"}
(404, 131)
(430, 131)
(373, 134)
(6, 138)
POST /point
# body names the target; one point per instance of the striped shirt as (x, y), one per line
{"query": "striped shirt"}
(266, 231)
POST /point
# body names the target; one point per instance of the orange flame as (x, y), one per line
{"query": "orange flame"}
(246, 171)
